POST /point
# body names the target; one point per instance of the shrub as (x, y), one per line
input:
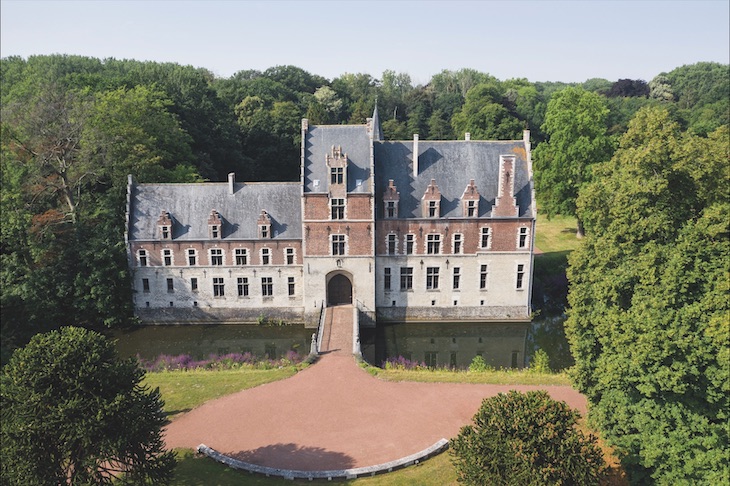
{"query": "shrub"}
(401, 363)
(478, 365)
(540, 362)
(526, 439)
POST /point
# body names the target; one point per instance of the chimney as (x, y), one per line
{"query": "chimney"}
(415, 155)
(467, 136)
(231, 181)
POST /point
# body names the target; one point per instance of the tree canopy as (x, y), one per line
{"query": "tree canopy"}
(74, 413)
(649, 301)
(525, 438)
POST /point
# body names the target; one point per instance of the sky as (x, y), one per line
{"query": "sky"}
(568, 41)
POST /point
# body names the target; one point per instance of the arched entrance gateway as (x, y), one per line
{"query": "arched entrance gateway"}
(339, 290)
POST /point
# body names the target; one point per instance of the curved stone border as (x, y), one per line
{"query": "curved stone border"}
(439, 446)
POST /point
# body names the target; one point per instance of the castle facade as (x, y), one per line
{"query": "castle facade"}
(410, 230)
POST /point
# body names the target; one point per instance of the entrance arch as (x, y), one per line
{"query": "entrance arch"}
(339, 290)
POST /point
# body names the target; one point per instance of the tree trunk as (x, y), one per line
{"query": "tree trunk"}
(579, 230)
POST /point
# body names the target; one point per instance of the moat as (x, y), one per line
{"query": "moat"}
(435, 344)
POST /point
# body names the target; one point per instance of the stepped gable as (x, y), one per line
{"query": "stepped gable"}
(190, 206)
(452, 164)
(354, 141)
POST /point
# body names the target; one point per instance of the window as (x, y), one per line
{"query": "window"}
(167, 257)
(432, 209)
(267, 286)
(291, 285)
(410, 240)
(390, 211)
(433, 244)
(192, 257)
(483, 277)
(457, 244)
(215, 231)
(486, 241)
(242, 283)
(289, 256)
(142, 258)
(471, 208)
(216, 256)
(146, 285)
(338, 208)
(338, 244)
(165, 230)
(522, 240)
(218, 287)
(392, 239)
(386, 278)
(406, 278)
(194, 284)
(264, 231)
(457, 277)
(336, 175)
(265, 256)
(520, 276)
(170, 285)
(241, 256)
(432, 278)
(431, 358)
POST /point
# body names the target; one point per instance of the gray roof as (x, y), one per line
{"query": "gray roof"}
(190, 205)
(452, 164)
(355, 142)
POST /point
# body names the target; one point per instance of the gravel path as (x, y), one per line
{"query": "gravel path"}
(334, 415)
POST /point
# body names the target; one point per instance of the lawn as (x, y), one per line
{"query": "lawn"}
(184, 390)
(556, 234)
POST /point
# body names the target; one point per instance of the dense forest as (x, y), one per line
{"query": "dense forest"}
(642, 165)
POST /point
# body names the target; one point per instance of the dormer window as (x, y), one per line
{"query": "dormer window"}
(432, 209)
(431, 201)
(391, 199)
(264, 224)
(471, 208)
(470, 200)
(215, 225)
(337, 163)
(164, 224)
(391, 210)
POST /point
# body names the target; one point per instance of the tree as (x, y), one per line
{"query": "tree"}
(647, 322)
(485, 117)
(526, 438)
(74, 413)
(575, 123)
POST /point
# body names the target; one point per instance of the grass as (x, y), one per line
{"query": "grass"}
(556, 234)
(184, 390)
(495, 377)
(195, 470)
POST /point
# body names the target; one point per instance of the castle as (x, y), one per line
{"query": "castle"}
(406, 231)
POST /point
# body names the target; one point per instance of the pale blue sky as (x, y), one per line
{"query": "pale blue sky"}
(567, 41)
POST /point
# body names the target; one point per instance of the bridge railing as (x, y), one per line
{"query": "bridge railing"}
(320, 326)
(356, 309)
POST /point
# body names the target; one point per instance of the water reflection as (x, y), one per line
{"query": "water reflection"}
(199, 341)
(451, 344)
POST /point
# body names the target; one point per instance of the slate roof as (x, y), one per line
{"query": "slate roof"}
(452, 164)
(355, 142)
(190, 205)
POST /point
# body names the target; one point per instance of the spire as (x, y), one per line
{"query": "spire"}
(377, 129)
